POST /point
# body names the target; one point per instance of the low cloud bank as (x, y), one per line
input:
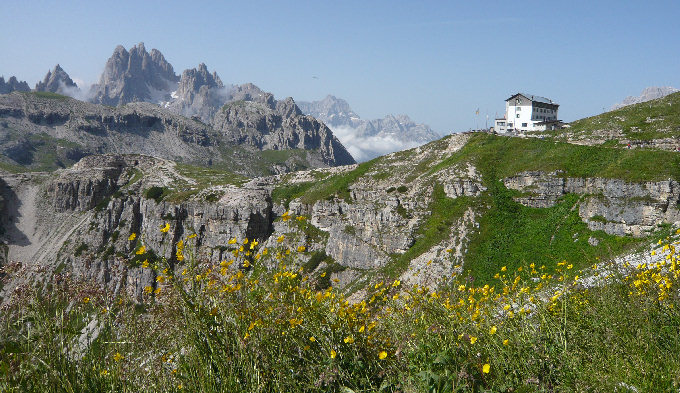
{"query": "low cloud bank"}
(364, 148)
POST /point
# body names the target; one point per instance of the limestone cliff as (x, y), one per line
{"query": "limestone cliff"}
(416, 215)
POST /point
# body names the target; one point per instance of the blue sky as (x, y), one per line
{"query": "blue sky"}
(437, 61)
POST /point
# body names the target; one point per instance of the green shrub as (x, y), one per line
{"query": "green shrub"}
(156, 193)
(79, 250)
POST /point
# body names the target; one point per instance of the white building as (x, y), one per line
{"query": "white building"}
(526, 112)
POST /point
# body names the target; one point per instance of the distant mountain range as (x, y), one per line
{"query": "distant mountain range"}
(118, 117)
(648, 94)
(367, 139)
(138, 75)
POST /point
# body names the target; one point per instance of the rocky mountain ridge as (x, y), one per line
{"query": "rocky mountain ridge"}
(12, 84)
(135, 75)
(56, 81)
(199, 93)
(368, 138)
(648, 94)
(35, 127)
(417, 216)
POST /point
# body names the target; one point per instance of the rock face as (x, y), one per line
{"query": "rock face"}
(56, 81)
(612, 205)
(367, 139)
(268, 124)
(136, 75)
(97, 204)
(199, 93)
(366, 218)
(333, 111)
(12, 84)
(135, 128)
(336, 112)
(76, 128)
(648, 94)
(399, 127)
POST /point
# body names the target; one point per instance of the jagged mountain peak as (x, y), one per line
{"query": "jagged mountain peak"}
(367, 139)
(195, 78)
(12, 84)
(199, 93)
(56, 81)
(134, 75)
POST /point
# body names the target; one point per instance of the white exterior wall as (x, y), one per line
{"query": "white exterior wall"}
(500, 125)
(525, 117)
(519, 115)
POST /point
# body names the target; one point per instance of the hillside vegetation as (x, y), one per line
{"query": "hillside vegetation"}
(638, 124)
(241, 326)
(508, 233)
(476, 262)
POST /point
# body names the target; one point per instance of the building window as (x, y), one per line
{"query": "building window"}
(510, 125)
(519, 108)
(524, 124)
(518, 115)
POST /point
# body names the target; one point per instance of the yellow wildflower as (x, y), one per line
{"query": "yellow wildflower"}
(118, 357)
(166, 228)
(493, 330)
(348, 340)
(333, 354)
(382, 355)
(133, 236)
(301, 248)
(141, 250)
(312, 339)
(473, 339)
(486, 368)
(280, 238)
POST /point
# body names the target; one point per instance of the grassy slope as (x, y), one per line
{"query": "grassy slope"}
(632, 120)
(510, 234)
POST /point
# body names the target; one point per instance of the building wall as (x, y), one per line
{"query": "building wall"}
(500, 125)
(519, 115)
(544, 112)
(522, 114)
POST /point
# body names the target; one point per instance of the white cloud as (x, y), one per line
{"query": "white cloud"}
(83, 92)
(364, 148)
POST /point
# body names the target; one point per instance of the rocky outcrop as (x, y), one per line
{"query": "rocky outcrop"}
(136, 75)
(615, 206)
(12, 84)
(648, 94)
(267, 124)
(138, 128)
(56, 81)
(199, 93)
(83, 217)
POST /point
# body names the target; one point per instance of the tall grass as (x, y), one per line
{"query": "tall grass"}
(258, 323)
